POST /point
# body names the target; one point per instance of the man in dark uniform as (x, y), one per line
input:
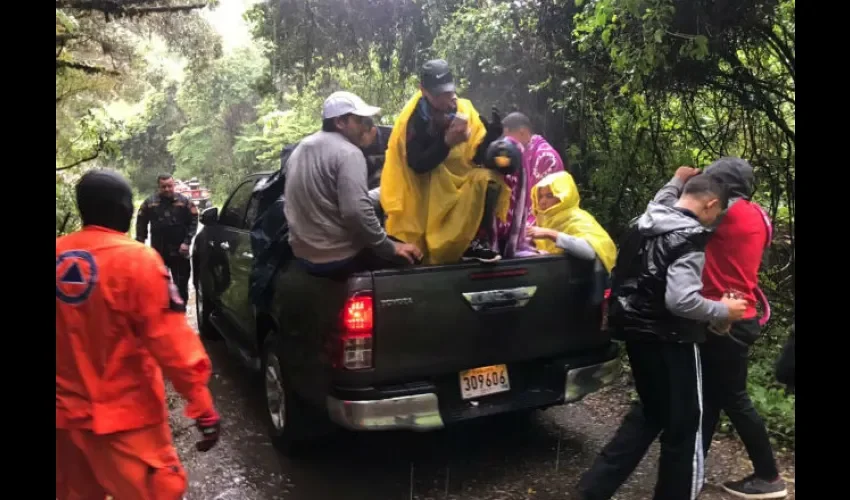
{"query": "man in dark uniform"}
(174, 220)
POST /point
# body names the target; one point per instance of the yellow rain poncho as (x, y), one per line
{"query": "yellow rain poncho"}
(440, 211)
(566, 217)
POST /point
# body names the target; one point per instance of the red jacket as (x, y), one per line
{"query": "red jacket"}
(119, 325)
(734, 253)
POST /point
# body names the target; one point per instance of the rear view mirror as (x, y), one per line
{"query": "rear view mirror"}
(209, 216)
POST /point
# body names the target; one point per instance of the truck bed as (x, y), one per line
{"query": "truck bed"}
(437, 320)
(450, 318)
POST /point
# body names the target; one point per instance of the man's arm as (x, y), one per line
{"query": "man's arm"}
(356, 206)
(193, 222)
(684, 286)
(669, 194)
(165, 332)
(424, 153)
(577, 247)
(142, 219)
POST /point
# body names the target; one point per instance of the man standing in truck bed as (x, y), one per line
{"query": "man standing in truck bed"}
(174, 221)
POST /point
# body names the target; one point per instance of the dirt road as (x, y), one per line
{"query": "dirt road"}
(511, 458)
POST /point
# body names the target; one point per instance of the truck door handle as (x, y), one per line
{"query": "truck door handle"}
(248, 255)
(224, 245)
(500, 299)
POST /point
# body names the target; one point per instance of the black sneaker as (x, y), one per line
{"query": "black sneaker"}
(756, 489)
(480, 252)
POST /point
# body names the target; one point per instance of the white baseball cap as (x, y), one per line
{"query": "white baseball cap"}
(343, 103)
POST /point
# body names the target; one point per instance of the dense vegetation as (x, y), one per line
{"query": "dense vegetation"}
(627, 89)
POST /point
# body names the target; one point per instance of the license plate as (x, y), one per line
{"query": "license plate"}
(484, 381)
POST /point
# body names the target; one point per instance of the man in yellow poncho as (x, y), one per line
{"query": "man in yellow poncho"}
(432, 191)
(563, 226)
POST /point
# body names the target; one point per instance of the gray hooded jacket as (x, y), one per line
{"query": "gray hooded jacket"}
(684, 276)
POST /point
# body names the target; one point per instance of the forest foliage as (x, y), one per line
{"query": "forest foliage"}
(626, 90)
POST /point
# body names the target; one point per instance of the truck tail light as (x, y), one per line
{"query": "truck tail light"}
(605, 299)
(356, 339)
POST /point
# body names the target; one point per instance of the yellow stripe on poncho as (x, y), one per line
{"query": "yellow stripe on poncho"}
(566, 217)
(439, 211)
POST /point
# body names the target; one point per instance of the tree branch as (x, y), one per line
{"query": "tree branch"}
(100, 144)
(118, 8)
(85, 68)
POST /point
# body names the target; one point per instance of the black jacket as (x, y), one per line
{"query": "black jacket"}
(426, 148)
(657, 279)
(173, 221)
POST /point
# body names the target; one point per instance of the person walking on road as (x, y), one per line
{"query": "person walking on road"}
(120, 325)
(657, 309)
(173, 218)
(733, 256)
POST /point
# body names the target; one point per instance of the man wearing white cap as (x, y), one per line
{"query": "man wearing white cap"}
(331, 217)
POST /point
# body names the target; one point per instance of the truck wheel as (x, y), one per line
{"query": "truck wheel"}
(291, 423)
(203, 308)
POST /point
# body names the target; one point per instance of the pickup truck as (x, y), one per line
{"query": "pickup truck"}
(416, 348)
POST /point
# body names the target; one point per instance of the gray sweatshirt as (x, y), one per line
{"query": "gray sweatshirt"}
(330, 214)
(577, 247)
(684, 276)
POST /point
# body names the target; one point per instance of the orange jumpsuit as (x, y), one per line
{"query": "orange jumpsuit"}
(119, 325)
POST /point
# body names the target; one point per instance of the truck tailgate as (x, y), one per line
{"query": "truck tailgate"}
(445, 319)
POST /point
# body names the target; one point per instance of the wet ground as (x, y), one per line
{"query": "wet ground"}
(538, 457)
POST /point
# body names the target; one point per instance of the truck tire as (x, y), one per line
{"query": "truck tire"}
(203, 309)
(291, 422)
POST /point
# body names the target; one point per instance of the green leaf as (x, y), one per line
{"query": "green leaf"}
(659, 35)
(702, 45)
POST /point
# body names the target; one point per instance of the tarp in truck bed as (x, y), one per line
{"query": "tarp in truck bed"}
(270, 233)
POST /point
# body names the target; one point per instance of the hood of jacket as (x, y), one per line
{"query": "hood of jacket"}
(661, 219)
(736, 174)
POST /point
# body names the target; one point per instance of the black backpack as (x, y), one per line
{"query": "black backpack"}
(270, 234)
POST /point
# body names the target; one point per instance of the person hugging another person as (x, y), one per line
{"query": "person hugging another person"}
(563, 227)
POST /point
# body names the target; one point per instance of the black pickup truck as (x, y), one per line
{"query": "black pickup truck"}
(415, 348)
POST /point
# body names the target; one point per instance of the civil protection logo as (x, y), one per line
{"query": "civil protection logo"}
(76, 276)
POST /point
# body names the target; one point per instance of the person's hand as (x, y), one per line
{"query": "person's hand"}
(410, 252)
(495, 116)
(737, 307)
(684, 173)
(184, 250)
(539, 233)
(457, 133)
(494, 128)
(209, 424)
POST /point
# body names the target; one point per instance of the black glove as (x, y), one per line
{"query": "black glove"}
(495, 116)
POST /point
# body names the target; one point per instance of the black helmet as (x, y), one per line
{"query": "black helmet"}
(503, 156)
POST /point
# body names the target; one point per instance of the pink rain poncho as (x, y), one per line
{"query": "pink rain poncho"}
(539, 159)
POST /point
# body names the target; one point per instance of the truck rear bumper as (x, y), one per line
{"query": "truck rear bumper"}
(588, 379)
(425, 406)
(419, 412)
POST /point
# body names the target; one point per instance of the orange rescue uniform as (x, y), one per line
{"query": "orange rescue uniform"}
(119, 325)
